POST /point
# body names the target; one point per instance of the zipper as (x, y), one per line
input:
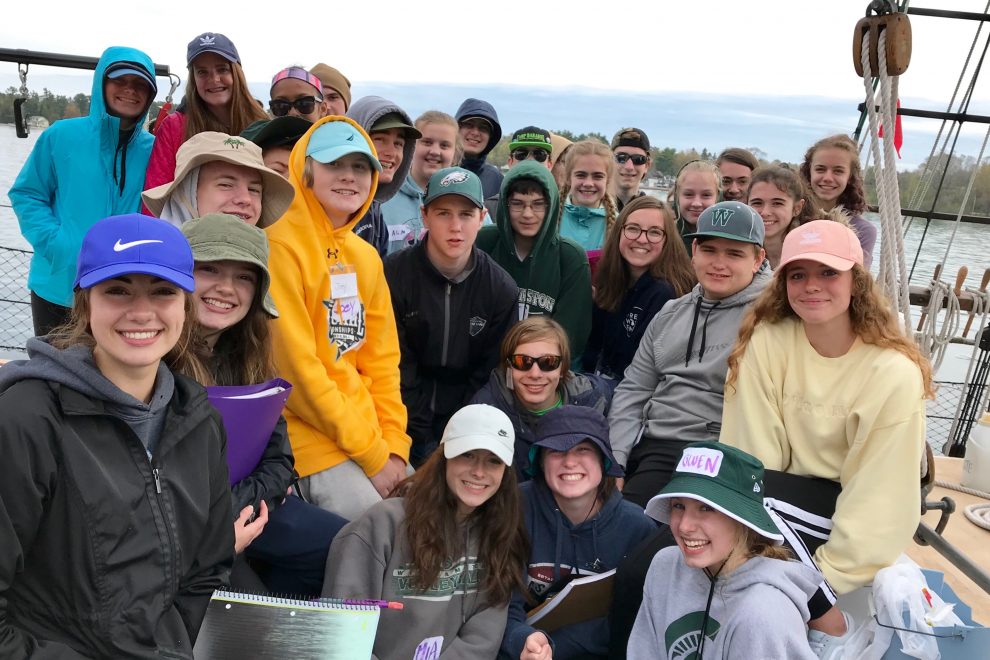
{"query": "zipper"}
(446, 326)
(170, 552)
(158, 483)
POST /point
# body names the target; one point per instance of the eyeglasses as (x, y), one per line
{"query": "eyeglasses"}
(304, 106)
(653, 234)
(637, 159)
(521, 362)
(519, 206)
(539, 155)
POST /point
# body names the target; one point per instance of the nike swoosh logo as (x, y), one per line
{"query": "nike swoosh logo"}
(120, 247)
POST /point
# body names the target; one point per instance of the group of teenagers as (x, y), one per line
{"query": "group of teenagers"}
(501, 382)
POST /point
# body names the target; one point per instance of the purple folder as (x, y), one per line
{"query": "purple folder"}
(250, 413)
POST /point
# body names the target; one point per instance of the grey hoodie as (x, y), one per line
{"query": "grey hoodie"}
(74, 367)
(673, 389)
(757, 612)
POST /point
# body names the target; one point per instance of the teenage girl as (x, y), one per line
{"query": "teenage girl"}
(832, 173)
(639, 272)
(726, 590)
(823, 383)
(578, 525)
(780, 197)
(217, 99)
(698, 185)
(452, 549)
(589, 209)
(114, 495)
(233, 310)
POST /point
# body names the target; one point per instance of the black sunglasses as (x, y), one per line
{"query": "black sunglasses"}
(539, 155)
(637, 159)
(521, 362)
(304, 106)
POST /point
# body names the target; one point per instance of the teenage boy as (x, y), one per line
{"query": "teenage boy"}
(220, 173)
(529, 143)
(80, 171)
(736, 166)
(335, 338)
(336, 89)
(276, 137)
(551, 271)
(297, 92)
(394, 136)
(452, 306)
(480, 132)
(631, 149)
(672, 391)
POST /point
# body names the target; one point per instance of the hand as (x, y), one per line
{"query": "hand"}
(537, 647)
(245, 531)
(619, 483)
(391, 474)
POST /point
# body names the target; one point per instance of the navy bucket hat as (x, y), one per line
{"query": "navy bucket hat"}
(564, 427)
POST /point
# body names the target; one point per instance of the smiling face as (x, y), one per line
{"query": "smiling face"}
(475, 134)
(640, 253)
(126, 97)
(535, 389)
(224, 293)
(830, 169)
(706, 536)
(214, 82)
(589, 179)
(453, 223)
(342, 187)
(629, 173)
(135, 320)
(775, 206)
(389, 145)
(725, 267)
(735, 180)
(473, 478)
(228, 188)
(526, 213)
(696, 191)
(434, 151)
(819, 294)
(574, 474)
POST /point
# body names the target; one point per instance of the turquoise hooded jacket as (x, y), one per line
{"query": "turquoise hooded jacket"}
(78, 173)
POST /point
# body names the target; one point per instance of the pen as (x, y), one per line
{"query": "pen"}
(384, 604)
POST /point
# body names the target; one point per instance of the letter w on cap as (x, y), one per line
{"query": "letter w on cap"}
(720, 217)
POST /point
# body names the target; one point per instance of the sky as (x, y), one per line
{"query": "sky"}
(761, 49)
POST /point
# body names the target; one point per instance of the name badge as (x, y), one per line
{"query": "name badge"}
(398, 232)
(429, 649)
(343, 285)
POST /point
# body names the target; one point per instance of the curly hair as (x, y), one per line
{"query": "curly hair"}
(593, 148)
(869, 312)
(613, 279)
(244, 109)
(787, 181)
(853, 198)
(434, 534)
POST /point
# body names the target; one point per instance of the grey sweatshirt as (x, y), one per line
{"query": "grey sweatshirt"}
(370, 558)
(757, 612)
(673, 389)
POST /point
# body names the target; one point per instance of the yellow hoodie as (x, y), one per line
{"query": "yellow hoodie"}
(345, 402)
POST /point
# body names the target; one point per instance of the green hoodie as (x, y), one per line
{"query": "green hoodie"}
(554, 278)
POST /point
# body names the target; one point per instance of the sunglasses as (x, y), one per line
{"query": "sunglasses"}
(637, 159)
(539, 155)
(303, 106)
(521, 362)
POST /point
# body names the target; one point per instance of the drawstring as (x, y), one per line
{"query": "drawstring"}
(694, 326)
(708, 605)
(704, 332)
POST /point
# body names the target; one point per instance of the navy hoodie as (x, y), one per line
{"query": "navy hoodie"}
(560, 551)
(491, 176)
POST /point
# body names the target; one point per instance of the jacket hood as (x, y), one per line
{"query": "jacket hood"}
(549, 230)
(479, 108)
(112, 55)
(366, 111)
(305, 203)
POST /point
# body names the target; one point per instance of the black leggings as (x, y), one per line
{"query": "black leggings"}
(47, 315)
(651, 464)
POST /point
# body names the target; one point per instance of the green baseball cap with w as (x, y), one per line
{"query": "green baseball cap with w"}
(733, 220)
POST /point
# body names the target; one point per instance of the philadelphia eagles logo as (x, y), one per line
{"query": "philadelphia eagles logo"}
(454, 177)
(683, 637)
(720, 217)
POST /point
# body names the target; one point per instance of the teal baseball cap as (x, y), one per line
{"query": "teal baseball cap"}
(336, 139)
(455, 181)
(732, 220)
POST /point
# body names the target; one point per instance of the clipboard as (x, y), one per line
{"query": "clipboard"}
(583, 599)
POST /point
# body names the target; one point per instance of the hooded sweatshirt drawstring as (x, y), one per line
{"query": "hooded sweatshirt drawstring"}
(704, 330)
(708, 606)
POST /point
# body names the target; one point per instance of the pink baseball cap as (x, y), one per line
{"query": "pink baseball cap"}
(300, 74)
(825, 241)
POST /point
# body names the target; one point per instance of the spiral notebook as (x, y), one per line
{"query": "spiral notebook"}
(239, 626)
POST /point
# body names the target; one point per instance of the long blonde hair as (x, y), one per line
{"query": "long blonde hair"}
(869, 312)
(593, 148)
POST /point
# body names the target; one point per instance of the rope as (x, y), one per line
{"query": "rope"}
(892, 276)
(978, 514)
(934, 340)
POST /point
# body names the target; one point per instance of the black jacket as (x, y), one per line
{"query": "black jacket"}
(449, 334)
(103, 552)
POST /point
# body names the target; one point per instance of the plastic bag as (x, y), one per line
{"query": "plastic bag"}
(901, 598)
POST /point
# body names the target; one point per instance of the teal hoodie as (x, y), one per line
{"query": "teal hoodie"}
(79, 172)
(403, 216)
(554, 278)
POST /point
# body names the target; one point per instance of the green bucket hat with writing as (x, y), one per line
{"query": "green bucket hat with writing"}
(723, 477)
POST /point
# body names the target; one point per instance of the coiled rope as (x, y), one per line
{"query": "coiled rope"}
(978, 514)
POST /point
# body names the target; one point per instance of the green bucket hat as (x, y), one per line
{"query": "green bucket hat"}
(723, 477)
(222, 237)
